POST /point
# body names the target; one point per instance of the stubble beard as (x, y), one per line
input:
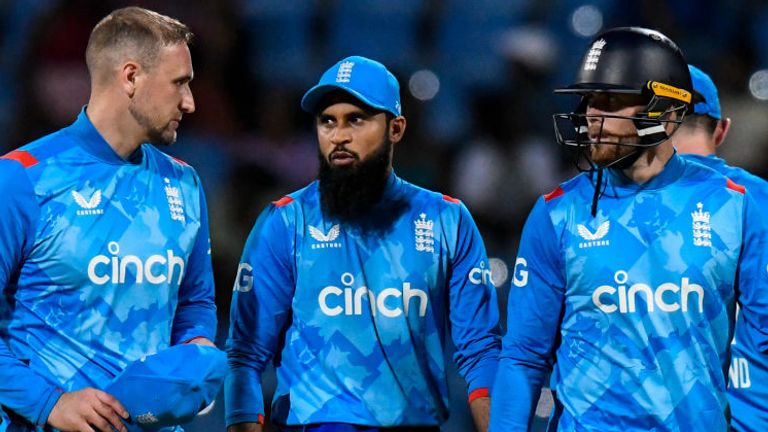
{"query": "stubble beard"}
(158, 136)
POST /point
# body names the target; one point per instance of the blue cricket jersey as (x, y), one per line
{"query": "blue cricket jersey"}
(102, 261)
(356, 319)
(748, 374)
(635, 306)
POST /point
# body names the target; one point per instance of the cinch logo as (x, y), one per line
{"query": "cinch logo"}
(334, 301)
(739, 373)
(609, 299)
(480, 275)
(156, 269)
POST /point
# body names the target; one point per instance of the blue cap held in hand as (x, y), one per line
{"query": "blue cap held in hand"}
(709, 103)
(170, 387)
(366, 79)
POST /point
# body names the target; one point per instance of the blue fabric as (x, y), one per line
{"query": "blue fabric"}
(356, 317)
(170, 387)
(635, 306)
(704, 85)
(365, 79)
(102, 261)
(748, 373)
(343, 427)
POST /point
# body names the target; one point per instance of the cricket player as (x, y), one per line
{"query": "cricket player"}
(702, 132)
(351, 284)
(633, 268)
(104, 245)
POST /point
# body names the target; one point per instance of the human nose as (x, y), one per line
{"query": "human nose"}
(340, 135)
(187, 102)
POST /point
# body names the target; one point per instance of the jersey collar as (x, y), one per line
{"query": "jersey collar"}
(92, 142)
(671, 172)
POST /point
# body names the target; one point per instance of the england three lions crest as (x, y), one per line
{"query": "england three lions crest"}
(424, 234)
(702, 230)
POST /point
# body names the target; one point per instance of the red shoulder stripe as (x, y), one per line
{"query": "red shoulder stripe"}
(478, 393)
(554, 194)
(284, 201)
(730, 184)
(451, 199)
(179, 161)
(21, 156)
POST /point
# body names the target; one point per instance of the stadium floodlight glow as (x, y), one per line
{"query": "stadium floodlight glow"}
(424, 85)
(586, 21)
(758, 84)
(499, 271)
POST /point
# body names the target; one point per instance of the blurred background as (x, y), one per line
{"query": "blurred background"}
(476, 77)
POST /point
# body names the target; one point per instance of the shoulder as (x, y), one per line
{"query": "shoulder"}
(568, 190)
(705, 177)
(168, 162)
(36, 153)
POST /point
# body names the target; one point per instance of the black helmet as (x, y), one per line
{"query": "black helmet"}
(625, 59)
(629, 60)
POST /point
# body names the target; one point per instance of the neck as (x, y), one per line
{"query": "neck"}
(650, 163)
(111, 118)
(694, 141)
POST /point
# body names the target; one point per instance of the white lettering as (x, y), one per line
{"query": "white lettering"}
(336, 310)
(244, 278)
(119, 268)
(352, 301)
(520, 275)
(624, 299)
(739, 373)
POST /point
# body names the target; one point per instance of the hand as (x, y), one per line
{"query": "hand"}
(88, 410)
(244, 427)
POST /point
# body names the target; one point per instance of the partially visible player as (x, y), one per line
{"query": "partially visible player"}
(351, 283)
(104, 245)
(634, 267)
(702, 132)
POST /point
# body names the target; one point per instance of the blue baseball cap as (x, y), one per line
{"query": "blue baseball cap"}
(171, 387)
(366, 79)
(703, 85)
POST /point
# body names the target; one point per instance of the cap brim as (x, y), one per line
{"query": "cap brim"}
(313, 96)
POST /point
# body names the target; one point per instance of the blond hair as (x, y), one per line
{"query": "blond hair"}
(131, 33)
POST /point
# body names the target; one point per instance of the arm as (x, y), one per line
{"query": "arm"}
(533, 320)
(21, 389)
(481, 412)
(474, 317)
(261, 305)
(195, 318)
(752, 279)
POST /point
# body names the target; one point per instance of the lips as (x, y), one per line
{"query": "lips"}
(342, 156)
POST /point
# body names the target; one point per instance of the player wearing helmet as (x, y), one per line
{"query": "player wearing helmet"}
(630, 302)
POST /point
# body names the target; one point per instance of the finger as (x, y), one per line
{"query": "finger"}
(115, 404)
(85, 427)
(97, 421)
(107, 413)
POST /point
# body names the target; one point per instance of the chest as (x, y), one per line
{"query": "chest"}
(118, 225)
(390, 271)
(653, 252)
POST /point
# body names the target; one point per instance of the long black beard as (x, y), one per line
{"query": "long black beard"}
(349, 193)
